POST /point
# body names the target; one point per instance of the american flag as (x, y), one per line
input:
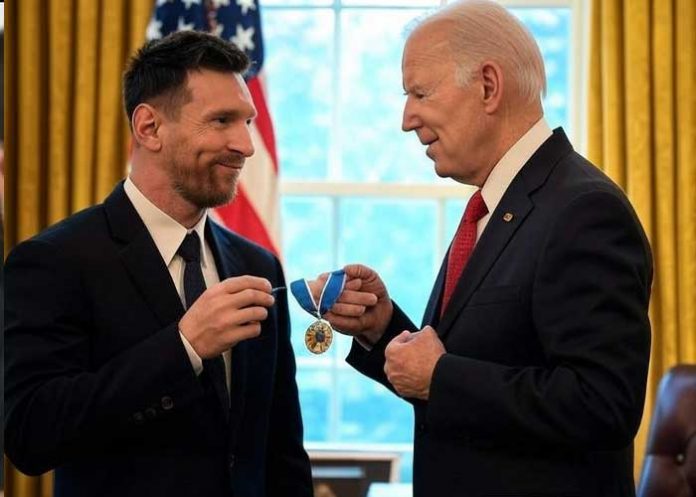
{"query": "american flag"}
(254, 211)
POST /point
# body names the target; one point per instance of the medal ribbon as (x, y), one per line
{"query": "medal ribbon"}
(329, 294)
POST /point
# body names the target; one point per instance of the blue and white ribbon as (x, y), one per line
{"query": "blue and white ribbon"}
(329, 294)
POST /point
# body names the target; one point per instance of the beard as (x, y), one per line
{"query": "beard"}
(212, 186)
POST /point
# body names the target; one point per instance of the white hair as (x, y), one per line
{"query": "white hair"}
(484, 30)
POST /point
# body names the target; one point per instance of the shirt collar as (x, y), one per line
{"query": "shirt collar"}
(510, 164)
(165, 231)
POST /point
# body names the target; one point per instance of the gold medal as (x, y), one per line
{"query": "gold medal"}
(318, 337)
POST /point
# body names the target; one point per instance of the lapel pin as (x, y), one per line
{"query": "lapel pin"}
(507, 217)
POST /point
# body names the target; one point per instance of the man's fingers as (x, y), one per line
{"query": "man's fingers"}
(357, 298)
(250, 297)
(239, 283)
(349, 310)
(346, 325)
(243, 332)
(387, 371)
(403, 337)
(395, 344)
(247, 315)
(352, 284)
(358, 271)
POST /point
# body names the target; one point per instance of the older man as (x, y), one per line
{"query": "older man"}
(528, 375)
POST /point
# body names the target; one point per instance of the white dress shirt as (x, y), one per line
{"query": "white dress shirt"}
(168, 235)
(508, 166)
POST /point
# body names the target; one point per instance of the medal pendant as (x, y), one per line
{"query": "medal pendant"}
(318, 337)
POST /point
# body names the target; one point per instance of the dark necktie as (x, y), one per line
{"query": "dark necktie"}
(194, 286)
(462, 245)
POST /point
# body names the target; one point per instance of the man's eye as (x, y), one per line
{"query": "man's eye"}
(222, 120)
(418, 95)
(249, 121)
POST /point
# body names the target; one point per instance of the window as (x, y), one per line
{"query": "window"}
(357, 189)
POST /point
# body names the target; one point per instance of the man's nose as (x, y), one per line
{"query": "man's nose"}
(410, 119)
(241, 140)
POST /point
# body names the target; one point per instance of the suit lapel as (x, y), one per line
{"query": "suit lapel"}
(511, 212)
(149, 274)
(432, 311)
(487, 250)
(227, 260)
(141, 258)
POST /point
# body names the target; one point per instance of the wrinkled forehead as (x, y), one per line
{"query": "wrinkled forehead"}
(427, 48)
(429, 43)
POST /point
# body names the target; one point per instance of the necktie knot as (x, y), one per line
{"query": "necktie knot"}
(190, 248)
(476, 208)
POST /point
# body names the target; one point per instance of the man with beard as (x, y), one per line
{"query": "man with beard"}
(146, 353)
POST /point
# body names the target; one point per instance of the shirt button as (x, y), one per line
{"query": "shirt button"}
(167, 403)
(150, 413)
(232, 461)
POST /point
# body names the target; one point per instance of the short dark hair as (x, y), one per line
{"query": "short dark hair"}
(160, 67)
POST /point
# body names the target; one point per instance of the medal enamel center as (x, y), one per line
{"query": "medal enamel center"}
(318, 337)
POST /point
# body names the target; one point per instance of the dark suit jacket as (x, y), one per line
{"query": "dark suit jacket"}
(99, 385)
(541, 390)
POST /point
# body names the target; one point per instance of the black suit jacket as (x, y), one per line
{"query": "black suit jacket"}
(541, 390)
(99, 385)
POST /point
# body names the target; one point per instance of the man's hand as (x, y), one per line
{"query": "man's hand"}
(363, 309)
(410, 362)
(227, 313)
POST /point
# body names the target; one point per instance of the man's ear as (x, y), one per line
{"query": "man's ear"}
(146, 127)
(492, 79)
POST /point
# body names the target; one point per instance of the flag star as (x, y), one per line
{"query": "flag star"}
(188, 3)
(182, 26)
(162, 2)
(221, 3)
(246, 5)
(243, 38)
(154, 29)
(219, 28)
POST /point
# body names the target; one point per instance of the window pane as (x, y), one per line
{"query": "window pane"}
(551, 28)
(299, 63)
(370, 413)
(398, 239)
(316, 390)
(373, 147)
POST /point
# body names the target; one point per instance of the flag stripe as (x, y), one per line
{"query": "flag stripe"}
(242, 215)
(259, 177)
(263, 119)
